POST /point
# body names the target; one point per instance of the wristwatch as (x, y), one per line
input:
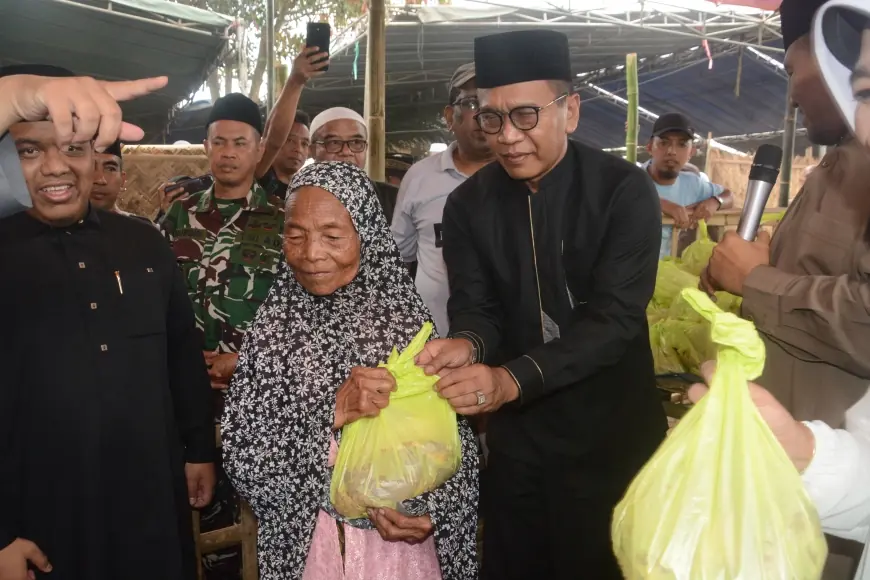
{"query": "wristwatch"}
(719, 199)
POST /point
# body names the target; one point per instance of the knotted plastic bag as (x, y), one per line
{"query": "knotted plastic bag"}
(696, 256)
(720, 499)
(410, 448)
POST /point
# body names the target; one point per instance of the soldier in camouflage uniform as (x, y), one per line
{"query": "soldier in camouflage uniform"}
(227, 241)
(229, 254)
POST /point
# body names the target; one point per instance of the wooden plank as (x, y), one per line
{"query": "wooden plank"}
(250, 569)
(219, 539)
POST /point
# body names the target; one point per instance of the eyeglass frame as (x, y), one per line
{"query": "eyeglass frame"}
(509, 114)
(461, 103)
(344, 143)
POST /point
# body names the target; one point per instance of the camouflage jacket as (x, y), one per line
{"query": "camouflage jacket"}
(229, 264)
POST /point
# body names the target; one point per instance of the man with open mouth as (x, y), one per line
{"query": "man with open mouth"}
(105, 417)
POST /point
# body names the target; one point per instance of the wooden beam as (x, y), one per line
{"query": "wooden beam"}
(375, 97)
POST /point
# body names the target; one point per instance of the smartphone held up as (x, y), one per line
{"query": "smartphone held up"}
(319, 34)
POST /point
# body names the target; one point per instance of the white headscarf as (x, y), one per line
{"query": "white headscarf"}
(837, 30)
(335, 114)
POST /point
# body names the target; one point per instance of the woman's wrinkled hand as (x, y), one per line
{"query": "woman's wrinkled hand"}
(796, 438)
(363, 394)
(395, 527)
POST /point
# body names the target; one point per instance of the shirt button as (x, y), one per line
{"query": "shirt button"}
(104, 347)
(93, 305)
(81, 265)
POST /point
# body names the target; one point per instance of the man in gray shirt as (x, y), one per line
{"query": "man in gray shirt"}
(424, 190)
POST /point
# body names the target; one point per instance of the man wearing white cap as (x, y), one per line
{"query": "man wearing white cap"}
(340, 134)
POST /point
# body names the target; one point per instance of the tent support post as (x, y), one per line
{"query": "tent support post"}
(375, 96)
(631, 124)
(787, 149)
(270, 56)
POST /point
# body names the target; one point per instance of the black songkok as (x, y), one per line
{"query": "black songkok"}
(520, 56)
(41, 70)
(236, 107)
(796, 19)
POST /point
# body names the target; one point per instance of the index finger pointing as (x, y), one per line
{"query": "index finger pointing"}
(126, 90)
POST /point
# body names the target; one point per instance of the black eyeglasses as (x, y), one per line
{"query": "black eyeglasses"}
(468, 103)
(524, 118)
(337, 145)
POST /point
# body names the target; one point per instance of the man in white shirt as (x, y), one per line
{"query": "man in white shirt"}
(424, 190)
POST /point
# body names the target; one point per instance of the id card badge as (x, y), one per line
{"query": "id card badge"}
(439, 238)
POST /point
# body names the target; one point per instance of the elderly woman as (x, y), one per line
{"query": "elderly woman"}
(308, 368)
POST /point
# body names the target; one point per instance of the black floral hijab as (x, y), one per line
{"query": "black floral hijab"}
(279, 411)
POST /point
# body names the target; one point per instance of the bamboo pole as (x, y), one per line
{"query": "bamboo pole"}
(375, 98)
(632, 95)
(708, 159)
(270, 56)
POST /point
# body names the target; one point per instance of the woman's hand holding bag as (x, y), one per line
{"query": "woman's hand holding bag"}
(363, 394)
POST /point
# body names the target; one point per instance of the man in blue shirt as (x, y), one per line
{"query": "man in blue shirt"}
(685, 197)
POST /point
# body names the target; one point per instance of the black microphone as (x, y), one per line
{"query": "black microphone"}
(762, 177)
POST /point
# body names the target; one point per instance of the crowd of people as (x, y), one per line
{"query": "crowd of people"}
(264, 297)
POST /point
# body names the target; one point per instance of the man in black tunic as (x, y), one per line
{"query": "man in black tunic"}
(106, 433)
(551, 256)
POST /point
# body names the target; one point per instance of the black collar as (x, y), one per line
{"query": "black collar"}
(23, 225)
(562, 174)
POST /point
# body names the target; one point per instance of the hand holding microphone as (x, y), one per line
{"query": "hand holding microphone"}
(740, 252)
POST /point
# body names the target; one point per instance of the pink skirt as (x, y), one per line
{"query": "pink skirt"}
(366, 555)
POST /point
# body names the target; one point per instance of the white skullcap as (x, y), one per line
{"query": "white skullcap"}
(837, 30)
(335, 114)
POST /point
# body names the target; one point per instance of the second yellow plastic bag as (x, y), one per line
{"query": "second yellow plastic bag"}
(720, 499)
(696, 256)
(411, 447)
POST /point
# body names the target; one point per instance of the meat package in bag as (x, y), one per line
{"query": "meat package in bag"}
(720, 499)
(410, 448)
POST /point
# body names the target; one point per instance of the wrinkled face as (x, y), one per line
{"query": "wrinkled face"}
(528, 155)
(861, 90)
(108, 181)
(320, 241)
(460, 120)
(670, 153)
(341, 140)
(59, 178)
(233, 150)
(293, 154)
(821, 117)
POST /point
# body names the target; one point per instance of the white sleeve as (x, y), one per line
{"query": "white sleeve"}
(838, 481)
(14, 195)
(403, 228)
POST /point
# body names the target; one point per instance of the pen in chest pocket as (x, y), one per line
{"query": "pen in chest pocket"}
(118, 278)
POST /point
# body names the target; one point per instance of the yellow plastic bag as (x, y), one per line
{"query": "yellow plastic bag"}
(696, 256)
(411, 447)
(670, 280)
(720, 499)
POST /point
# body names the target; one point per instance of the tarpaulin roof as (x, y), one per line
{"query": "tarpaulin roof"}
(425, 45)
(118, 40)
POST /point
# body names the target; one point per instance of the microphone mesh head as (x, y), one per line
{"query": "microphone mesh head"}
(766, 163)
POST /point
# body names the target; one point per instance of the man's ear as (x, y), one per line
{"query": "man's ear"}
(205, 144)
(573, 107)
(123, 179)
(649, 146)
(448, 116)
